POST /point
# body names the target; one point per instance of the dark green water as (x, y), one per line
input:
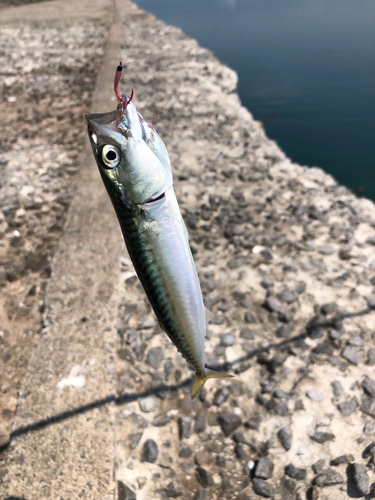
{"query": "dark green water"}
(311, 63)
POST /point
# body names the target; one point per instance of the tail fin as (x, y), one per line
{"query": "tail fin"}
(199, 381)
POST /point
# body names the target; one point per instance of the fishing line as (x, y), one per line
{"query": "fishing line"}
(117, 30)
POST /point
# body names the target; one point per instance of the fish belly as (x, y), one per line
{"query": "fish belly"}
(158, 245)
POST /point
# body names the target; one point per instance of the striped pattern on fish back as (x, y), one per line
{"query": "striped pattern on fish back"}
(148, 274)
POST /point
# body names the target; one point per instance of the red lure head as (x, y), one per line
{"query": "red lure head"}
(116, 83)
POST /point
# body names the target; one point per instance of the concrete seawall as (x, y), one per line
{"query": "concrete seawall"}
(287, 264)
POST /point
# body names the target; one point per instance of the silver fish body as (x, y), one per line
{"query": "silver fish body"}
(135, 168)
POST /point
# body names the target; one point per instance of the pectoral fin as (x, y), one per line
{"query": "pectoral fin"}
(199, 381)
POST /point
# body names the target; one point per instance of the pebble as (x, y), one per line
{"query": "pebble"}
(204, 477)
(275, 305)
(241, 451)
(326, 250)
(369, 386)
(334, 360)
(267, 282)
(131, 336)
(139, 421)
(295, 472)
(184, 427)
(284, 331)
(347, 407)
(229, 422)
(335, 334)
(356, 340)
(278, 359)
(368, 428)
(201, 495)
(288, 296)
(148, 403)
(134, 439)
(221, 395)
(155, 357)
(299, 405)
(264, 468)
(139, 349)
(351, 354)
(253, 423)
(369, 451)
(161, 420)
(200, 423)
(323, 348)
(315, 332)
(185, 452)
(124, 492)
(287, 488)
(318, 466)
(249, 318)
(227, 340)
(358, 475)
(168, 368)
(174, 489)
(126, 354)
(371, 357)
(282, 409)
(247, 333)
(315, 395)
(322, 437)
(285, 436)
(329, 308)
(329, 478)
(337, 389)
(263, 488)
(370, 302)
(342, 459)
(280, 394)
(150, 451)
(368, 406)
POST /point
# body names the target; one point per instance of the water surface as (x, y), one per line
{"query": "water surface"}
(312, 64)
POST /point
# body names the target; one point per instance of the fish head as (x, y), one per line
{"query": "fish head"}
(132, 159)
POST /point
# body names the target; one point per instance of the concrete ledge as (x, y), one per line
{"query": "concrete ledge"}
(73, 361)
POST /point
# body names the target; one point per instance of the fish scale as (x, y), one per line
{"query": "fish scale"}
(147, 273)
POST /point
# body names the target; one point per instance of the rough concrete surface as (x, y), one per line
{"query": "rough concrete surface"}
(286, 261)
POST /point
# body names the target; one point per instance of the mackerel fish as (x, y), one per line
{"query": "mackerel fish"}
(135, 168)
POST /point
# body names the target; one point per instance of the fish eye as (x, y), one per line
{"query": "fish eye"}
(110, 156)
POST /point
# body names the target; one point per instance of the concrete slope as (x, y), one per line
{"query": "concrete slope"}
(73, 360)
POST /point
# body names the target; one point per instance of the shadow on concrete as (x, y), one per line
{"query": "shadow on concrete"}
(15, 498)
(242, 363)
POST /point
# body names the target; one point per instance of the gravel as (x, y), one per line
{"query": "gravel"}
(264, 468)
(204, 477)
(322, 437)
(368, 385)
(351, 354)
(263, 488)
(295, 472)
(229, 422)
(358, 474)
(329, 478)
(285, 435)
(150, 451)
(347, 408)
